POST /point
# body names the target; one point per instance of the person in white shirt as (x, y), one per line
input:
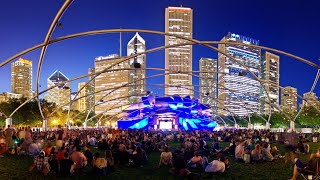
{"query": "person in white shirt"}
(239, 151)
(92, 141)
(217, 165)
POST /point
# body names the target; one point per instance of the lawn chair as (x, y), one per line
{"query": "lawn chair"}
(308, 174)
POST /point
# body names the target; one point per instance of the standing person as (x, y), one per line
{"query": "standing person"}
(8, 134)
(22, 134)
(59, 137)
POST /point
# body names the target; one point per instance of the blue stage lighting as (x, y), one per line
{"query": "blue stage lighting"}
(141, 124)
(194, 111)
(173, 107)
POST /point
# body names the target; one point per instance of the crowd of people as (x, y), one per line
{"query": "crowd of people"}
(63, 151)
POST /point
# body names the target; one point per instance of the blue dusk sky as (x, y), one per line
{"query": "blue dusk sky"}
(289, 25)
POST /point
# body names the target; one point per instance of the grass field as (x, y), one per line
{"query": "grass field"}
(15, 167)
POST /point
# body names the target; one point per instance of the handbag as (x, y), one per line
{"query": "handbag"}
(246, 158)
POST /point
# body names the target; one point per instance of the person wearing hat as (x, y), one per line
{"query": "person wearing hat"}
(41, 163)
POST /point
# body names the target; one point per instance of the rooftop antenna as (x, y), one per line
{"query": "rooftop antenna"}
(120, 44)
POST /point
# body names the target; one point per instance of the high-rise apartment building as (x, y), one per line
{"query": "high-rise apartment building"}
(21, 77)
(208, 81)
(178, 21)
(312, 100)
(90, 101)
(138, 63)
(6, 96)
(82, 92)
(109, 96)
(270, 72)
(75, 104)
(289, 99)
(241, 90)
(60, 95)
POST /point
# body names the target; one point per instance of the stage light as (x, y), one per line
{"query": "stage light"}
(194, 111)
(173, 107)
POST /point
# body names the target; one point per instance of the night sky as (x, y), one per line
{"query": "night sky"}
(289, 25)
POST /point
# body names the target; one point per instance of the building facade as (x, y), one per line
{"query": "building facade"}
(208, 81)
(6, 96)
(110, 97)
(21, 77)
(238, 90)
(82, 93)
(90, 101)
(60, 95)
(138, 87)
(178, 21)
(289, 99)
(312, 100)
(75, 104)
(270, 72)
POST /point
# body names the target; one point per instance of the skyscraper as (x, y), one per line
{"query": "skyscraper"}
(82, 101)
(75, 104)
(242, 95)
(60, 95)
(208, 74)
(21, 77)
(289, 99)
(270, 72)
(110, 101)
(312, 100)
(178, 21)
(90, 101)
(137, 45)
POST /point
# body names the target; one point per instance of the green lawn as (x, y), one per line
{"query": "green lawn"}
(15, 167)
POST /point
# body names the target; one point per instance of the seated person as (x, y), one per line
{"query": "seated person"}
(239, 151)
(256, 154)
(165, 157)
(311, 166)
(99, 165)
(88, 155)
(110, 159)
(217, 165)
(266, 154)
(79, 158)
(66, 166)
(306, 147)
(103, 145)
(139, 157)
(41, 163)
(215, 146)
(197, 161)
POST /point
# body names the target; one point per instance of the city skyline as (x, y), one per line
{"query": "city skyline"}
(154, 62)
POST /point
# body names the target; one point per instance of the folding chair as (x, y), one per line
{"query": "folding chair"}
(309, 174)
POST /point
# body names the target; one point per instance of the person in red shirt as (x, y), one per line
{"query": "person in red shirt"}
(61, 152)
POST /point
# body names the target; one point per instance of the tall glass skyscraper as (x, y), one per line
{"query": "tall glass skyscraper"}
(208, 81)
(270, 72)
(245, 97)
(90, 91)
(21, 77)
(178, 22)
(60, 95)
(138, 63)
(110, 102)
(289, 99)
